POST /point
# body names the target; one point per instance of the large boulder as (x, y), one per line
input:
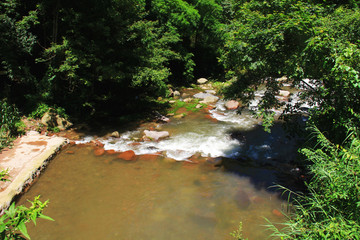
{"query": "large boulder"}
(232, 105)
(156, 135)
(62, 123)
(51, 119)
(202, 81)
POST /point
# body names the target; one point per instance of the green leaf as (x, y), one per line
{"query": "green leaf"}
(11, 212)
(33, 218)
(46, 217)
(23, 230)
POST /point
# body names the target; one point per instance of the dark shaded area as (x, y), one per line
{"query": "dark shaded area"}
(278, 163)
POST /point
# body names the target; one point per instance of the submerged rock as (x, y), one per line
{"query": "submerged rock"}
(155, 135)
(277, 213)
(242, 199)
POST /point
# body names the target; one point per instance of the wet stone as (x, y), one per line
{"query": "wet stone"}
(99, 151)
(127, 155)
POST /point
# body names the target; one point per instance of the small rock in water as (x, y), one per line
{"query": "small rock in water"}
(127, 155)
(203, 95)
(232, 105)
(284, 93)
(211, 91)
(115, 134)
(187, 100)
(202, 81)
(198, 106)
(111, 151)
(97, 143)
(242, 199)
(277, 213)
(210, 99)
(176, 94)
(155, 135)
(185, 95)
(179, 116)
(99, 151)
(282, 79)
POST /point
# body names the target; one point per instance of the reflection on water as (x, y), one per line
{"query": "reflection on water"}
(150, 198)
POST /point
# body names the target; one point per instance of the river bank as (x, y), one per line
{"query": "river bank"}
(24, 161)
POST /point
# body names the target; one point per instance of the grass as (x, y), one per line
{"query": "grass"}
(331, 208)
(238, 233)
(189, 106)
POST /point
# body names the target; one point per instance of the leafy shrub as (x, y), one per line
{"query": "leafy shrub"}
(331, 209)
(14, 219)
(9, 123)
(42, 108)
(9, 116)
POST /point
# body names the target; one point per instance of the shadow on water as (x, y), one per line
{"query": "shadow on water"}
(267, 159)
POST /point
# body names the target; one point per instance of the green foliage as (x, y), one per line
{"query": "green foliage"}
(297, 39)
(238, 234)
(15, 218)
(4, 174)
(44, 108)
(267, 119)
(331, 208)
(189, 106)
(9, 116)
(9, 123)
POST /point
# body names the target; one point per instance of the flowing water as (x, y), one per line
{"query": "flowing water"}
(210, 174)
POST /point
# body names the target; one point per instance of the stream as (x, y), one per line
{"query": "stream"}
(213, 172)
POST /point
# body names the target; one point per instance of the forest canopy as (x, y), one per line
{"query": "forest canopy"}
(111, 57)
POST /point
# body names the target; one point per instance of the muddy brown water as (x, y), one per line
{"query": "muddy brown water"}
(156, 197)
(108, 198)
